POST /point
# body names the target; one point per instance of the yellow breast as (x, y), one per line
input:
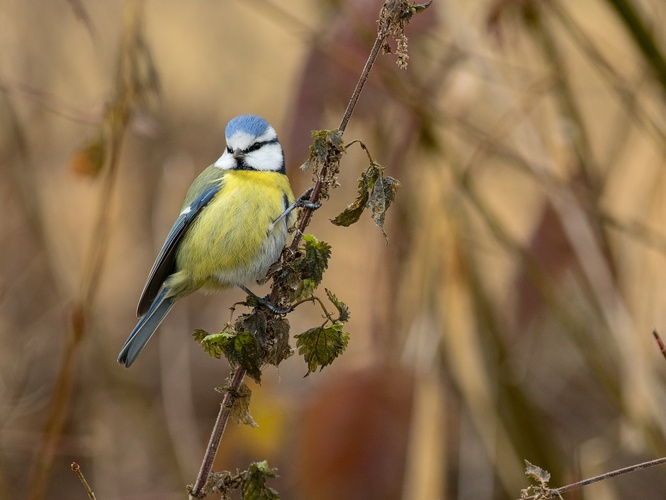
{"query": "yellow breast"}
(233, 241)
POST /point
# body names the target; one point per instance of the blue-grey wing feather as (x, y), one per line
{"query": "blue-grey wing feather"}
(166, 260)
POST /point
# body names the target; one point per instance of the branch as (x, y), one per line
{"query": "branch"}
(218, 431)
(393, 16)
(557, 492)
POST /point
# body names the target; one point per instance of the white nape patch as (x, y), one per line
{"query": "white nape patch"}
(268, 157)
(226, 161)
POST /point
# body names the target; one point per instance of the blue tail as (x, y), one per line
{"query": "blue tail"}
(145, 328)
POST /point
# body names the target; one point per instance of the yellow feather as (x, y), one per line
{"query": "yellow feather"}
(232, 242)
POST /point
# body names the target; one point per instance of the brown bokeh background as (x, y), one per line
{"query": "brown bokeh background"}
(508, 318)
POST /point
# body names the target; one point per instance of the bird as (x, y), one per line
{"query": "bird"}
(232, 227)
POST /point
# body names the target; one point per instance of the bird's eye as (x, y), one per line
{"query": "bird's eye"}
(254, 147)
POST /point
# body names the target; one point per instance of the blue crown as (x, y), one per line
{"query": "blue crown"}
(249, 124)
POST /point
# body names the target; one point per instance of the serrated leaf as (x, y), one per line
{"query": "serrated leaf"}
(343, 310)
(212, 343)
(244, 351)
(315, 259)
(305, 288)
(321, 345)
(239, 343)
(254, 482)
(199, 335)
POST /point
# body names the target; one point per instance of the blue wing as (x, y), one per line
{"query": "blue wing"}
(166, 260)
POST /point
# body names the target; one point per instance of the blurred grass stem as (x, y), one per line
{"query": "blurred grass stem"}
(116, 118)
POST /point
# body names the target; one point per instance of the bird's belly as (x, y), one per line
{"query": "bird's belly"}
(240, 243)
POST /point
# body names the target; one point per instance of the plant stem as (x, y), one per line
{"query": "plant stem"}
(218, 431)
(608, 475)
(379, 41)
(389, 10)
(382, 33)
(601, 477)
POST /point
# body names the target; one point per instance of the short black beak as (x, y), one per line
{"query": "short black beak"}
(238, 154)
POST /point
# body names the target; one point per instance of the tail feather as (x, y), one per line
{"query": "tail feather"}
(145, 329)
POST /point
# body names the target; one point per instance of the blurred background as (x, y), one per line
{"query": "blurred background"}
(509, 317)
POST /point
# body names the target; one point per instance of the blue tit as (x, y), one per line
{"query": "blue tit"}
(232, 226)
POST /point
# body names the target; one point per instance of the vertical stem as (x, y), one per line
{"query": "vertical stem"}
(362, 79)
(388, 9)
(372, 57)
(218, 431)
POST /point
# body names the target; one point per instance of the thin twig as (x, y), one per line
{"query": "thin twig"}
(218, 431)
(608, 475)
(601, 477)
(77, 470)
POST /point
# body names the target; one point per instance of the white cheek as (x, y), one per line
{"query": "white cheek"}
(268, 157)
(226, 161)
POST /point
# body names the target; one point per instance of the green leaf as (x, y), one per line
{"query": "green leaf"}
(213, 343)
(321, 345)
(315, 259)
(254, 482)
(343, 310)
(242, 344)
(305, 288)
(244, 351)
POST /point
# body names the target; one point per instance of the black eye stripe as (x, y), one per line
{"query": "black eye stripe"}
(255, 146)
(259, 145)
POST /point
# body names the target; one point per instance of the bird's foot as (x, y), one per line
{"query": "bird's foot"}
(267, 303)
(304, 202)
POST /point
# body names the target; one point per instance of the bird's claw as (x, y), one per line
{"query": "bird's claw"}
(267, 303)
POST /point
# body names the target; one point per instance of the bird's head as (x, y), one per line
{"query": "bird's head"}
(252, 144)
